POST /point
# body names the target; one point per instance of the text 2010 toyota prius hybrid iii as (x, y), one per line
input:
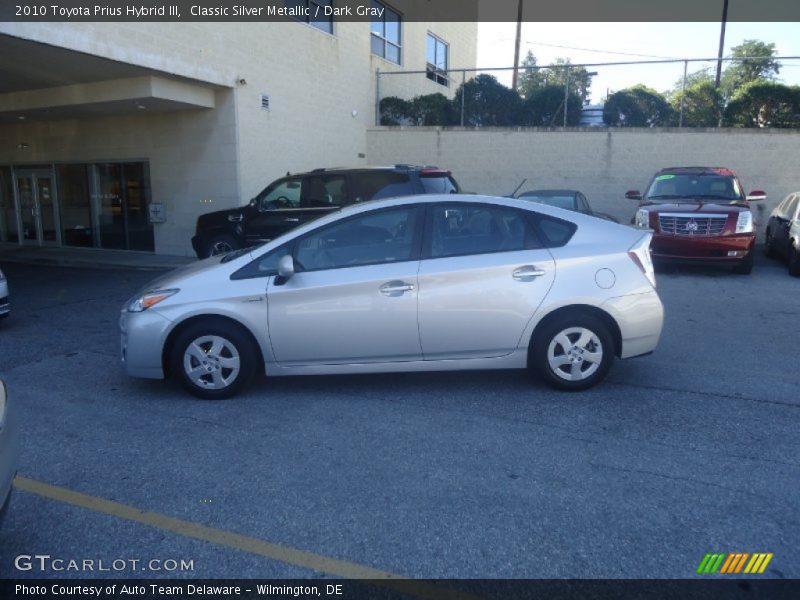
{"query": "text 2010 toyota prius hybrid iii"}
(418, 283)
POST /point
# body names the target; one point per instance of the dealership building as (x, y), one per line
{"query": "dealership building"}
(118, 135)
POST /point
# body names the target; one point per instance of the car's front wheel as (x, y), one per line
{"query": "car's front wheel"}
(214, 359)
(573, 352)
(794, 261)
(769, 245)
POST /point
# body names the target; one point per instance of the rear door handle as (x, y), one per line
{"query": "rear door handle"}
(527, 273)
(395, 288)
(292, 220)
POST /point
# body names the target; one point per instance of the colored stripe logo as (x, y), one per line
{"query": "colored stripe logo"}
(734, 563)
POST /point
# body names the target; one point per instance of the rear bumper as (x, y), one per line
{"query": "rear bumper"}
(724, 248)
(5, 306)
(640, 318)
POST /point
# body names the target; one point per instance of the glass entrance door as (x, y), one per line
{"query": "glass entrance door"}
(37, 207)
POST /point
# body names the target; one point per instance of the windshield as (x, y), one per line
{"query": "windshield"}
(567, 202)
(696, 186)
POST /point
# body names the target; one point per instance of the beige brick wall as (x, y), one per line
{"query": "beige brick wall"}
(322, 96)
(192, 157)
(603, 164)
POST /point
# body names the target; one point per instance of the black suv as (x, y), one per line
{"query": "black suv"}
(297, 199)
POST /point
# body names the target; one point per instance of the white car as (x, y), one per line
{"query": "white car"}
(8, 451)
(5, 304)
(417, 283)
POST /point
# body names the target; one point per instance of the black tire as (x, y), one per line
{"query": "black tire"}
(220, 243)
(745, 267)
(769, 246)
(215, 375)
(794, 261)
(572, 326)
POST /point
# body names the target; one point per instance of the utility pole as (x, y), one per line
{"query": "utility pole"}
(516, 45)
(721, 42)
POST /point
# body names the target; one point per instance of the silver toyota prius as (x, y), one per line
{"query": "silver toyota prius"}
(418, 283)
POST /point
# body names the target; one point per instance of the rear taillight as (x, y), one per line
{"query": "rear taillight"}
(640, 255)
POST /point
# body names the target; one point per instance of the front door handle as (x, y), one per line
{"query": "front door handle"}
(527, 273)
(395, 288)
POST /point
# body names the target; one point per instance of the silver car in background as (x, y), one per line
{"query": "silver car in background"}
(5, 303)
(8, 451)
(419, 283)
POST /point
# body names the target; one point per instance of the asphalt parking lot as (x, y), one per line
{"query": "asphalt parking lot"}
(694, 449)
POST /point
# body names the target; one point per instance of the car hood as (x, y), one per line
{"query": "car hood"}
(695, 206)
(180, 276)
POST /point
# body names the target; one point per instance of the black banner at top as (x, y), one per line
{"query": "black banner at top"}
(410, 10)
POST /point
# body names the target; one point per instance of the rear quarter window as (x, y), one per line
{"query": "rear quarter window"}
(374, 185)
(553, 232)
(438, 184)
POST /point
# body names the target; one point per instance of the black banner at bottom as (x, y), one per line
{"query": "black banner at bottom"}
(401, 589)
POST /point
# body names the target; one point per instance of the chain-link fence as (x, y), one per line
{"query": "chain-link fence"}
(692, 92)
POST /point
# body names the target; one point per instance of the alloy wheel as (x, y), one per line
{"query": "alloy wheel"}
(211, 362)
(575, 354)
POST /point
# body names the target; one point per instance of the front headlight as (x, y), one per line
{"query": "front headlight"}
(149, 300)
(744, 224)
(643, 218)
(2, 277)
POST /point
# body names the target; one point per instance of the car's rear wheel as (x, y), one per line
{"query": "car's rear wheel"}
(745, 266)
(794, 261)
(221, 243)
(214, 359)
(573, 352)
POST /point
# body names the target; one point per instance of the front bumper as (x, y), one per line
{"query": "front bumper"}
(723, 248)
(142, 338)
(9, 451)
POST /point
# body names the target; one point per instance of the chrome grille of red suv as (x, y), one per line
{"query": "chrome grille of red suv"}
(683, 224)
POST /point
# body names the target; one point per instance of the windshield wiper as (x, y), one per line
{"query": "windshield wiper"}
(717, 197)
(666, 197)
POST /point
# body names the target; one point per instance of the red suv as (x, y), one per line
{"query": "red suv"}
(699, 214)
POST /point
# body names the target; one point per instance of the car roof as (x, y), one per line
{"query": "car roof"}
(398, 167)
(550, 193)
(697, 171)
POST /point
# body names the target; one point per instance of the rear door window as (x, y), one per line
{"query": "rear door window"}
(553, 232)
(325, 191)
(462, 229)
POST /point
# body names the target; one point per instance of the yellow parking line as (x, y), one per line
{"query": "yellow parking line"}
(285, 554)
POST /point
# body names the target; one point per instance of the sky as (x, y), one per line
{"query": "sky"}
(615, 42)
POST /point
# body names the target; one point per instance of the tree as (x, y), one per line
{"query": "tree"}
(637, 106)
(579, 79)
(545, 108)
(741, 72)
(764, 103)
(488, 103)
(433, 109)
(702, 103)
(395, 111)
(531, 77)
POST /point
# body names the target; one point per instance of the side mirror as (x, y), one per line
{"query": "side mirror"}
(286, 267)
(756, 195)
(633, 195)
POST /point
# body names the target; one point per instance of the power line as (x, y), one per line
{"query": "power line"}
(598, 51)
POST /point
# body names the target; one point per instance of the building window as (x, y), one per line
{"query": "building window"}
(437, 53)
(312, 12)
(386, 33)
